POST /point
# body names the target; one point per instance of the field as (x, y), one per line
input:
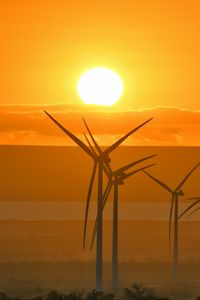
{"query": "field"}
(41, 239)
(37, 256)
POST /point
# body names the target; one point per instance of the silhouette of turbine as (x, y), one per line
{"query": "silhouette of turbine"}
(176, 193)
(117, 178)
(106, 160)
(100, 160)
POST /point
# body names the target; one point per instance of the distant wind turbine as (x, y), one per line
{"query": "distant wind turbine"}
(103, 158)
(176, 193)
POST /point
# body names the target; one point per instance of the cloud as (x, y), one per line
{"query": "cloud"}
(27, 124)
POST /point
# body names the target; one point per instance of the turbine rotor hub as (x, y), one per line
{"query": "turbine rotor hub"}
(105, 158)
(180, 193)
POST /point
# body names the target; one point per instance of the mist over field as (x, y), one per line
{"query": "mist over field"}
(43, 192)
(38, 256)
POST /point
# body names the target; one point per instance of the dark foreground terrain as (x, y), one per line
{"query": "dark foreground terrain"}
(38, 278)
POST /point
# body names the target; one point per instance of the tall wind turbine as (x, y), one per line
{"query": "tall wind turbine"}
(117, 178)
(100, 160)
(176, 193)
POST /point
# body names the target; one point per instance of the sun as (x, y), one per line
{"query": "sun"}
(100, 86)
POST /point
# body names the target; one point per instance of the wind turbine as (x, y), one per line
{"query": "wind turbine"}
(117, 178)
(110, 174)
(100, 160)
(176, 193)
(106, 160)
(107, 170)
(114, 178)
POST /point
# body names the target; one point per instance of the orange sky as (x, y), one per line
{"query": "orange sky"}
(46, 45)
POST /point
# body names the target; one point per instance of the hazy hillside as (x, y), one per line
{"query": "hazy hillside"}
(39, 173)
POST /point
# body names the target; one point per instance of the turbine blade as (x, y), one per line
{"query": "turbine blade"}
(133, 164)
(159, 182)
(88, 202)
(106, 171)
(198, 208)
(138, 170)
(187, 177)
(94, 153)
(194, 198)
(105, 197)
(188, 208)
(96, 145)
(89, 144)
(93, 139)
(71, 135)
(170, 222)
(116, 144)
(93, 235)
(107, 193)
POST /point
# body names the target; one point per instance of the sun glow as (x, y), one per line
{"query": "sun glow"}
(100, 86)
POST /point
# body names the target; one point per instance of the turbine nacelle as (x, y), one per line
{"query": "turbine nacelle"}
(118, 177)
(122, 176)
(104, 157)
(179, 193)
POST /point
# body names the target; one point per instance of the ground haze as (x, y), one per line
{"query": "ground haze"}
(43, 251)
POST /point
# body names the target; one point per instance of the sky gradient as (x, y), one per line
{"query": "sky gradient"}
(153, 45)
